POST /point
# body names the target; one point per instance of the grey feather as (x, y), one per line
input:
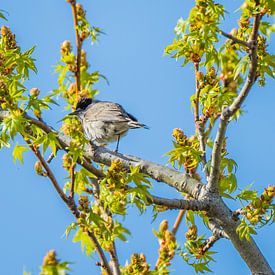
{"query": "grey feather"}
(104, 121)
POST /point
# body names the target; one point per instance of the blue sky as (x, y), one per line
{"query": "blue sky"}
(152, 87)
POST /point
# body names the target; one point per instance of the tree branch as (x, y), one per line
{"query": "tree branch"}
(78, 46)
(72, 172)
(178, 221)
(160, 173)
(235, 39)
(228, 112)
(198, 122)
(248, 250)
(209, 243)
(71, 205)
(114, 259)
(216, 230)
(195, 205)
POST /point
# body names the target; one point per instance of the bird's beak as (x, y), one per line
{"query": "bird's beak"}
(75, 113)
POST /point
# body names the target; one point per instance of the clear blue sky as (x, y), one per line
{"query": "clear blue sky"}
(150, 86)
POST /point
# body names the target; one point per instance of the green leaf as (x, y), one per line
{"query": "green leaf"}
(85, 240)
(2, 16)
(18, 153)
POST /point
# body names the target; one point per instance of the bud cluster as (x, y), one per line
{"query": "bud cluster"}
(190, 147)
(192, 232)
(116, 175)
(72, 128)
(50, 259)
(138, 265)
(167, 244)
(256, 210)
(8, 39)
(67, 162)
(84, 203)
(261, 55)
(67, 56)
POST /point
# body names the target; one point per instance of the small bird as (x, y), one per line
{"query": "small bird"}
(104, 121)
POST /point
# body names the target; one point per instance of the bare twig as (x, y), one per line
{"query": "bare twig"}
(197, 94)
(235, 39)
(51, 176)
(237, 213)
(104, 263)
(106, 213)
(198, 122)
(78, 47)
(178, 221)
(51, 157)
(72, 173)
(209, 243)
(114, 259)
(71, 204)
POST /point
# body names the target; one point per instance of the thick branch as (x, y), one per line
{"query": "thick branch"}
(216, 230)
(160, 173)
(248, 250)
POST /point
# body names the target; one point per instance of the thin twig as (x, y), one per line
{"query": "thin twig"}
(235, 39)
(71, 204)
(72, 173)
(51, 176)
(114, 259)
(209, 243)
(197, 94)
(178, 221)
(51, 156)
(237, 213)
(78, 47)
(106, 213)
(104, 263)
(200, 125)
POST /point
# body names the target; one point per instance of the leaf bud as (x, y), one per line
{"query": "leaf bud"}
(163, 226)
(50, 259)
(66, 47)
(39, 170)
(4, 30)
(79, 10)
(234, 32)
(34, 92)
(192, 232)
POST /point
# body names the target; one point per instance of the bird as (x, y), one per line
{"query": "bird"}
(104, 121)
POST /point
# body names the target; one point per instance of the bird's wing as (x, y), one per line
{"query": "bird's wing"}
(107, 112)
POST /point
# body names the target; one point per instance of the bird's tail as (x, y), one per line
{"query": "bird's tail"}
(136, 124)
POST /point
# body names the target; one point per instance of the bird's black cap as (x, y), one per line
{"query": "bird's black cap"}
(81, 105)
